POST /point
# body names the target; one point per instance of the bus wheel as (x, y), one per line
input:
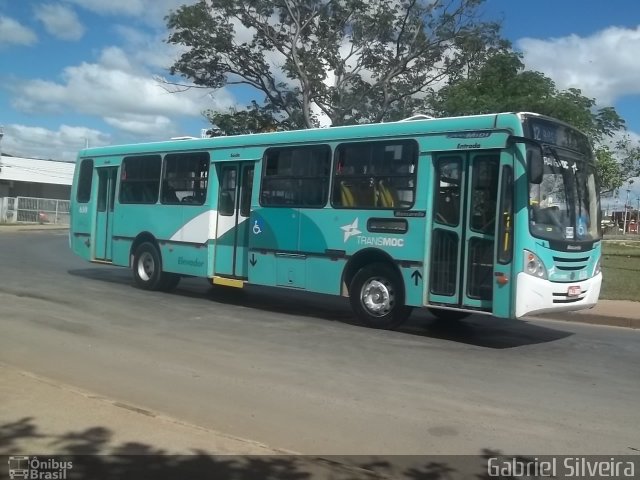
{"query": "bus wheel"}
(444, 314)
(147, 267)
(377, 297)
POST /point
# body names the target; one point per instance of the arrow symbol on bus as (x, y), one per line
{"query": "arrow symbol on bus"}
(253, 260)
(416, 276)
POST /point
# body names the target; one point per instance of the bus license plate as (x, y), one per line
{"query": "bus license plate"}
(574, 291)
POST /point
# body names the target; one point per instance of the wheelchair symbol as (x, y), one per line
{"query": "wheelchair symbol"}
(256, 228)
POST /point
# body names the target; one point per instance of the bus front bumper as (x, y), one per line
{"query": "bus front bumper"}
(535, 295)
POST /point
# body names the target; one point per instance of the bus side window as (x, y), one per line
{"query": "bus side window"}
(140, 179)
(372, 174)
(296, 176)
(185, 178)
(85, 179)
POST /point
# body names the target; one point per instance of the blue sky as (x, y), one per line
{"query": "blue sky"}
(77, 71)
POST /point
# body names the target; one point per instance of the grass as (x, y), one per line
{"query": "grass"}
(621, 270)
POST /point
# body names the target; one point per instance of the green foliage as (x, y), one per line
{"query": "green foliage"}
(356, 61)
(252, 120)
(609, 170)
(503, 85)
(618, 164)
(361, 61)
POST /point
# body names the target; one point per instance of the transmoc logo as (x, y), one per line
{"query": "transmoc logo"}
(350, 230)
(381, 241)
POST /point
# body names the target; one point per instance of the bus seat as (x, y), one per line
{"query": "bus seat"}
(346, 195)
(386, 198)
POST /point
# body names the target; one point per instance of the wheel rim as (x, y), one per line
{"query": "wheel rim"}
(146, 266)
(377, 296)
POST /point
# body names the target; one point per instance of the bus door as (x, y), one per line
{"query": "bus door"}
(107, 180)
(463, 235)
(234, 209)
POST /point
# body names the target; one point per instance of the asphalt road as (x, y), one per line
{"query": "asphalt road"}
(290, 370)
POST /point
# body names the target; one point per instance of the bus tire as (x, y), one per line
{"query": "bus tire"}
(147, 267)
(377, 297)
(451, 315)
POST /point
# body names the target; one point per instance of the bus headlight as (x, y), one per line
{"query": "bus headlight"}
(534, 266)
(598, 267)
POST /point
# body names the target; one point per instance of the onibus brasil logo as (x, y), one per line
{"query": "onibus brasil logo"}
(40, 469)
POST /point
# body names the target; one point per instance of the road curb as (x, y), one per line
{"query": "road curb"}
(594, 319)
(34, 228)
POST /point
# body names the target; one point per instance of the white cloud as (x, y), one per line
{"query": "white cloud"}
(61, 144)
(149, 50)
(124, 95)
(139, 124)
(604, 65)
(150, 11)
(113, 7)
(12, 32)
(60, 21)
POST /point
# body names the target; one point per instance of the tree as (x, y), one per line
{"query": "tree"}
(618, 164)
(353, 61)
(503, 84)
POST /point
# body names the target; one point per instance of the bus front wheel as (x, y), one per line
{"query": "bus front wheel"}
(377, 297)
(147, 268)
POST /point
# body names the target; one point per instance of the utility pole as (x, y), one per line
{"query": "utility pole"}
(638, 216)
(1, 135)
(626, 203)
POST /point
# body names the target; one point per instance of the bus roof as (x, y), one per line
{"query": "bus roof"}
(506, 120)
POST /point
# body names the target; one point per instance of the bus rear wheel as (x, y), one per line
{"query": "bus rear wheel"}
(377, 297)
(147, 269)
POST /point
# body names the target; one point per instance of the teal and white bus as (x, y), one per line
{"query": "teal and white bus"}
(496, 214)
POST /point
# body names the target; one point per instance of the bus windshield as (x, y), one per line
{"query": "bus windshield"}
(565, 205)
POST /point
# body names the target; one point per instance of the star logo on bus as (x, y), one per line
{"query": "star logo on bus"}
(350, 230)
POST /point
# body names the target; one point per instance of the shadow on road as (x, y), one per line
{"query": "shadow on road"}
(477, 330)
(120, 276)
(91, 454)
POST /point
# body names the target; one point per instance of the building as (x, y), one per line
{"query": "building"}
(29, 177)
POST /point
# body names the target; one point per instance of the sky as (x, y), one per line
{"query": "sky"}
(78, 72)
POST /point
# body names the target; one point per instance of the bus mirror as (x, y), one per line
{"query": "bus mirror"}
(535, 164)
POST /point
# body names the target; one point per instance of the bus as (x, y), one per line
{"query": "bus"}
(496, 214)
